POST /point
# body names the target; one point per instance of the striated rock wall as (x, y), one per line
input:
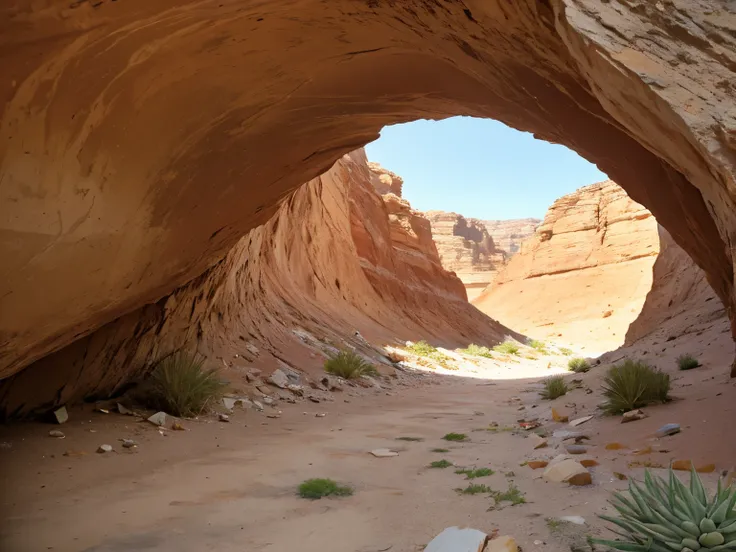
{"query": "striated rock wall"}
(510, 234)
(583, 276)
(385, 181)
(335, 258)
(466, 248)
(134, 156)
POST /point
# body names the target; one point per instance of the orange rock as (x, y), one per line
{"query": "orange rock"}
(615, 446)
(682, 465)
(620, 476)
(537, 464)
(708, 468)
(642, 452)
(557, 417)
(589, 462)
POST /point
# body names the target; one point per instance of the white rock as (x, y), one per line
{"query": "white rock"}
(224, 418)
(158, 419)
(56, 433)
(298, 390)
(502, 544)
(320, 415)
(123, 410)
(568, 471)
(129, 443)
(61, 415)
(279, 379)
(104, 448)
(258, 405)
(579, 421)
(454, 539)
(577, 520)
(537, 441)
(632, 416)
(384, 453)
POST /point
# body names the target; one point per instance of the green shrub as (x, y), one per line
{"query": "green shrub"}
(477, 350)
(181, 386)
(687, 362)
(538, 346)
(512, 494)
(441, 464)
(440, 450)
(475, 488)
(424, 349)
(317, 488)
(474, 473)
(554, 387)
(578, 365)
(565, 351)
(666, 515)
(455, 437)
(508, 347)
(413, 439)
(634, 384)
(349, 365)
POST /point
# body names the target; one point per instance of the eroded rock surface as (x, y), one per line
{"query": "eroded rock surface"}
(142, 140)
(584, 275)
(510, 234)
(335, 259)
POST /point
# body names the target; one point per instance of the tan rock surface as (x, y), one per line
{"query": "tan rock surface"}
(385, 181)
(583, 277)
(142, 140)
(336, 258)
(510, 234)
(466, 248)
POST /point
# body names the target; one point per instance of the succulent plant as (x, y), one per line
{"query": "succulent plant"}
(668, 516)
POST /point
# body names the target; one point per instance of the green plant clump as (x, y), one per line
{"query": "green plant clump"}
(538, 346)
(634, 384)
(349, 365)
(687, 362)
(474, 473)
(565, 351)
(578, 365)
(441, 464)
(512, 494)
(440, 450)
(317, 488)
(424, 349)
(413, 439)
(475, 488)
(508, 347)
(667, 516)
(477, 350)
(181, 386)
(554, 387)
(455, 437)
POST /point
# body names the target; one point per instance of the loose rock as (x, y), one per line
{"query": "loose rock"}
(454, 539)
(229, 402)
(279, 379)
(296, 389)
(124, 411)
(537, 441)
(502, 544)
(576, 449)
(176, 426)
(158, 419)
(568, 471)
(104, 448)
(57, 434)
(61, 415)
(579, 421)
(224, 418)
(129, 443)
(258, 405)
(668, 429)
(632, 416)
(557, 417)
(577, 520)
(320, 415)
(537, 464)
(384, 453)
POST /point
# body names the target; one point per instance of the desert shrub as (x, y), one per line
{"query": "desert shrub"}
(181, 386)
(349, 365)
(475, 488)
(565, 351)
(412, 439)
(578, 365)
(687, 362)
(512, 494)
(424, 349)
(508, 347)
(665, 515)
(440, 464)
(440, 450)
(538, 346)
(455, 437)
(474, 473)
(554, 387)
(317, 488)
(634, 384)
(477, 350)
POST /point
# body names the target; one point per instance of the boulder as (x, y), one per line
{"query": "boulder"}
(568, 471)
(454, 539)
(279, 379)
(158, 419)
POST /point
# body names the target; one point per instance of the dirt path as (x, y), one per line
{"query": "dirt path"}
(232, 486)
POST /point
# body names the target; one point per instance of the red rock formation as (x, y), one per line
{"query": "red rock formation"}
(384, 181)
(509, 234)
(334, 259)
(142, 140)
(583, 277)
(466, 248)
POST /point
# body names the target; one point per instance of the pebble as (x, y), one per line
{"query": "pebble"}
(123, 410)
(320, 415)
(576, 449)
(158, 419)
(668, 429)
(224, 418)
(129, 443)
(56, 433)
(61, 415)
(632, 416)
(384, 453)
(104, 448)
(579, 421)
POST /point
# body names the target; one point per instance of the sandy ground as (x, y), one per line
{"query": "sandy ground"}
(232, 486)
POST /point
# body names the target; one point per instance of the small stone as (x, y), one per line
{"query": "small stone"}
(298, 390)
(56, 433)
(224, 418)
(537, 464)
(538, 543)
(621, 476)
(313, 399)
(577, 520)
(229, 403)
(320, 415)
(258, 405)
(615, 446)
(565, 434)
(273, 416)
(279, 379)
(537, 441)
(268, 401)
(176, 426)
(158, 419)
(576, 449)
(682, 465)
(263, 389)
(588, 463)
(557, 417)
(454, 539)
(104, 448)
(667, 429)
(632, 416)
(502, 544)
(331, 383)
(61, 415)
(568, 471)
(75, 453)
(124, 411)
(129, 443)
(384, 453)
(579, 421)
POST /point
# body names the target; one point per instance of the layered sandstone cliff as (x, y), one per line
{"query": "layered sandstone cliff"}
(134, 156)
(466, 248)
(510, 234)
(583, 276)
(335, 259)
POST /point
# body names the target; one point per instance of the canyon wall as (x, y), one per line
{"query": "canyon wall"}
(510, 234)
(583, 276)
(466, 248)
(335, 259)
(142, 140)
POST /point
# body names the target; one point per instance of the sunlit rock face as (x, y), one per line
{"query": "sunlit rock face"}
(142, 140)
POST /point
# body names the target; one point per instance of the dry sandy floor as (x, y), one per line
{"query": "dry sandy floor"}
(232, 486)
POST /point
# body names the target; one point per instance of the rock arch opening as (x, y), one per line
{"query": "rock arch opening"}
(142, 141)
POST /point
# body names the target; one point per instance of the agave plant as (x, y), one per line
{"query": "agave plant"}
(667, 516)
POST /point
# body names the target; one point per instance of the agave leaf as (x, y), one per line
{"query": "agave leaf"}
(654, 490)
(632, 506)
(723, 547)
(727, 527)
(635, 492)
(621, 545)
(671, 522)
(696, 508)
(696, 487)
(655, 534)
(721, 514)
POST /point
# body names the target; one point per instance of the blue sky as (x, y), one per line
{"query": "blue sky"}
(479, 168)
